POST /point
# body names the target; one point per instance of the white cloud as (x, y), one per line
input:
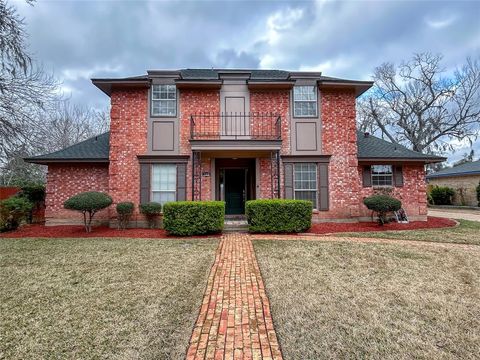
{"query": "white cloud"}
(281, 21)
(440, 23)
(73, 74)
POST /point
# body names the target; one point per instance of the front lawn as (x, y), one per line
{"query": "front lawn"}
(100, 298)
(372, 300)
(468, 232)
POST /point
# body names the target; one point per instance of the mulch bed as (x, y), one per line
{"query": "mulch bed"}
(431, 223)
(70, 231)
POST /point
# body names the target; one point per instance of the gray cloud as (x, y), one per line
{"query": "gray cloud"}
(85, 39)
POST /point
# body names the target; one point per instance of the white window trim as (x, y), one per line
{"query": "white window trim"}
(372, 175)
(152, 100)
(305, 101)
(315, 206)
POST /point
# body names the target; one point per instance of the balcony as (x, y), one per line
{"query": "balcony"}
(251, 127)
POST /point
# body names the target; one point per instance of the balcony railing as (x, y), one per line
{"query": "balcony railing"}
(236, 126)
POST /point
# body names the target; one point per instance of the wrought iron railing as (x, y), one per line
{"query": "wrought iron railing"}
(236, 126)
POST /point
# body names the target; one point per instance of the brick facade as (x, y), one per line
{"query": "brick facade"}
(412, 194)
(128, 138)
(64, 181)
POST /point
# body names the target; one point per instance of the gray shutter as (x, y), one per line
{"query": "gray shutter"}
(144, 183)
(367, 176)
(288, 181)
(398, 176)
(181, 182)
(323, 187)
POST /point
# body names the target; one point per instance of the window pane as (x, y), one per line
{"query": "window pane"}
(307, 195)
(164, 100)
(164, 177)
(163, 197)
(304, 101)
(305, 176)
(382, 175)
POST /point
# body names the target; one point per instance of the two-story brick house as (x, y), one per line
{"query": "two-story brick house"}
(235, 135)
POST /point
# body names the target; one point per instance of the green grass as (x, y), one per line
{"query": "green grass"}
(100, 298)
(351, 300)
(468, 232)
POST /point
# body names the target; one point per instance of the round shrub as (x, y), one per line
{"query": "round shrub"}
(442, 195)
(478, 193)
(12, 211)
(124, 212)
(152, 211)
(184, 218)
(88, 203)
(279, 215)
(382, 204)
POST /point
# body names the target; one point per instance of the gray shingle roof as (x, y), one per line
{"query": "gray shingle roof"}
(371, 147)
(95, 149)
(213, 74)
(469, 168)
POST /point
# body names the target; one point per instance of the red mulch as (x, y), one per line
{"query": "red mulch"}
(431, 223)
(70, 231)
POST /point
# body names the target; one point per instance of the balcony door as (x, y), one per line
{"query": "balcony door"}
(235, 123)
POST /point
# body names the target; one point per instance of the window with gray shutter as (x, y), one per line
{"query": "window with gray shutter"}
(144, 183)
(398, 174)
(288, 181)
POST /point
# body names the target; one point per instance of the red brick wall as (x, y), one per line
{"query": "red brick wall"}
(412, 194)
(275, 102)
(128, 138)
(64, 181)
(339, 141)
(192, 102)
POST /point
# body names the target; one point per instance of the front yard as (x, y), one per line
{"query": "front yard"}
(468, 232)
(100, 298)
(373, 300)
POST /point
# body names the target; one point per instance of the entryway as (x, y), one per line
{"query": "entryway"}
(236, 183)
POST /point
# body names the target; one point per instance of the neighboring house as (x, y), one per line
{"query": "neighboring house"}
(235, 135)
(462, 178)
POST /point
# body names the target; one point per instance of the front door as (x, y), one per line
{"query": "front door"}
(235, 191)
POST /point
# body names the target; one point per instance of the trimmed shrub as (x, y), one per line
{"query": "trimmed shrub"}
(152, 211)
(186, 218)
(442, 195)
(124, 213)
(382, 204)
(88, 203)
(278, 215)
(478, 193)
(12, 211)
(35, 193)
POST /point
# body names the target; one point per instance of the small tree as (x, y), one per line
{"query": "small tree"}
(90, 203)
(152, 211)
(124, 212)
(382, 204)
(478, 193)
(12, 211)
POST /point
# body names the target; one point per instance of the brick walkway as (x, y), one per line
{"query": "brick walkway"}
(234, 320)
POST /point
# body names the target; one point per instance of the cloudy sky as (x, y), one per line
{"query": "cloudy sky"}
(79, 40)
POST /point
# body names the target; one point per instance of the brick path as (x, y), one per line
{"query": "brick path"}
(234, 320)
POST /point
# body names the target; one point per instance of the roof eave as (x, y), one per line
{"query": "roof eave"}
(359, 86)
(107, 85)
(425, 160)
(468, 173)
(47, 161)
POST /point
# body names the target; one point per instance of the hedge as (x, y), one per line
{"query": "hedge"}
(124, 212)
(382, 204)
(278, 215)
(186, 218)
(152, 211)
(442, 195)
(478, 193)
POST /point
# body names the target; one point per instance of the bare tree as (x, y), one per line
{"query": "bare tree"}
(418, 105)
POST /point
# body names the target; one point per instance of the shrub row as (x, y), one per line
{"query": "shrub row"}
(278, 215)
(442, 195)
(185, 218)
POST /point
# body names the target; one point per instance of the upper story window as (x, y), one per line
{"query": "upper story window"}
(382, 175)
(305, 182)
(164, 100)
(304, 101)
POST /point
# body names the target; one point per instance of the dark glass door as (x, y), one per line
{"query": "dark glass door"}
(235, 191)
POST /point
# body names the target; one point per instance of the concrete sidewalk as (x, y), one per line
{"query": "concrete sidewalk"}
(466, 214)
